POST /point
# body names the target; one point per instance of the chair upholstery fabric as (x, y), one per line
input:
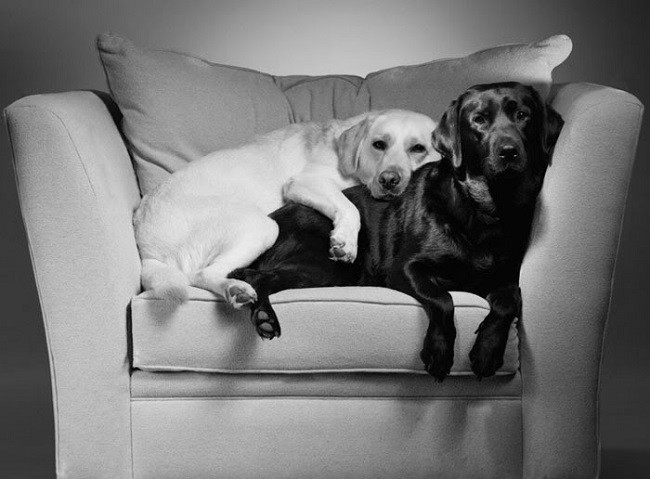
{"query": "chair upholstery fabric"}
(293, 437)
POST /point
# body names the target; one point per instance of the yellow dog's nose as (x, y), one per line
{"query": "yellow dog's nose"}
(389, 179)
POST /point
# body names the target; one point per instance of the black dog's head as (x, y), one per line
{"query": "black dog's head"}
(498, 130)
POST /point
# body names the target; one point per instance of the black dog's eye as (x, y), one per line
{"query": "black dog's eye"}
(418, 148)
(480, 119)
(521, 115)
(379, 145)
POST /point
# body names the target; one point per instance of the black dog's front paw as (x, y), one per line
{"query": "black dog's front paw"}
(486, 355)
(266, 322)
(438, 356)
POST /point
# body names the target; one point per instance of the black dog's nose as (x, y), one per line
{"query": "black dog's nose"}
(389, 179)
(508, 153)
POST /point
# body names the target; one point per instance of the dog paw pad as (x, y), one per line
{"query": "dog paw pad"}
(266, 324)
(240, 295)
(266, 327)
(340, 250)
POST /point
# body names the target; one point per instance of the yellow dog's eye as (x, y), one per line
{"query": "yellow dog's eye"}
(418, 149)
(521, 115)
(379, 145)
(480, 119)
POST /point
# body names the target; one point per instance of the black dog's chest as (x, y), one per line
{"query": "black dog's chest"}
(460, 258)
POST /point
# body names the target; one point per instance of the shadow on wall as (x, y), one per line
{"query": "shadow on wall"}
(624, 463)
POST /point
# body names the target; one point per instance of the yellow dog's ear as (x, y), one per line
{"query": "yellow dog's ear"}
(446, 137)
(348, 145)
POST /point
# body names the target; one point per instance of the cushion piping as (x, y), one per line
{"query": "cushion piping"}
(153, 368)
(326, 398)
(291, 301)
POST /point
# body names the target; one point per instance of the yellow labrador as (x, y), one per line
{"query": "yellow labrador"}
(211, 217)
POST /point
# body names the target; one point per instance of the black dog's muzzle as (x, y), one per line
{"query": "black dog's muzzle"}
(507, 154)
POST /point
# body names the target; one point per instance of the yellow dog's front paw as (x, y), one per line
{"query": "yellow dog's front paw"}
(342, 248)
(240, 294)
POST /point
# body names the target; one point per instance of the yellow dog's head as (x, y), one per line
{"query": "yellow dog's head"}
(384, 148)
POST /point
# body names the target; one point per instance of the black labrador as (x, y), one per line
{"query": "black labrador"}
(463, 223)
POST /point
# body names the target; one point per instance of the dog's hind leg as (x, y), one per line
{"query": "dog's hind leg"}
(318, 273)
(242, 248)
(166, 281)
(266, 283)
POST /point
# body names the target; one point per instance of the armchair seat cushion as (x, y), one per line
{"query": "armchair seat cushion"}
(324, 330)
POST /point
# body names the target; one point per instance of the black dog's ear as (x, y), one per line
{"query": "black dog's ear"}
(553, 123)
(446, 137)
(549, 124)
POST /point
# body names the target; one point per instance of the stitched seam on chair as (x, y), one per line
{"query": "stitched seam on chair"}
(327, 398)
(343, 370)
(46, 326)
(297, 301)
(131, 425)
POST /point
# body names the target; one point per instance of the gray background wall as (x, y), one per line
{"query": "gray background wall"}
(49, 47)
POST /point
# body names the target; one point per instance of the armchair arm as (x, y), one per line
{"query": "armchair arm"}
(566, 278)
(77, 192)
